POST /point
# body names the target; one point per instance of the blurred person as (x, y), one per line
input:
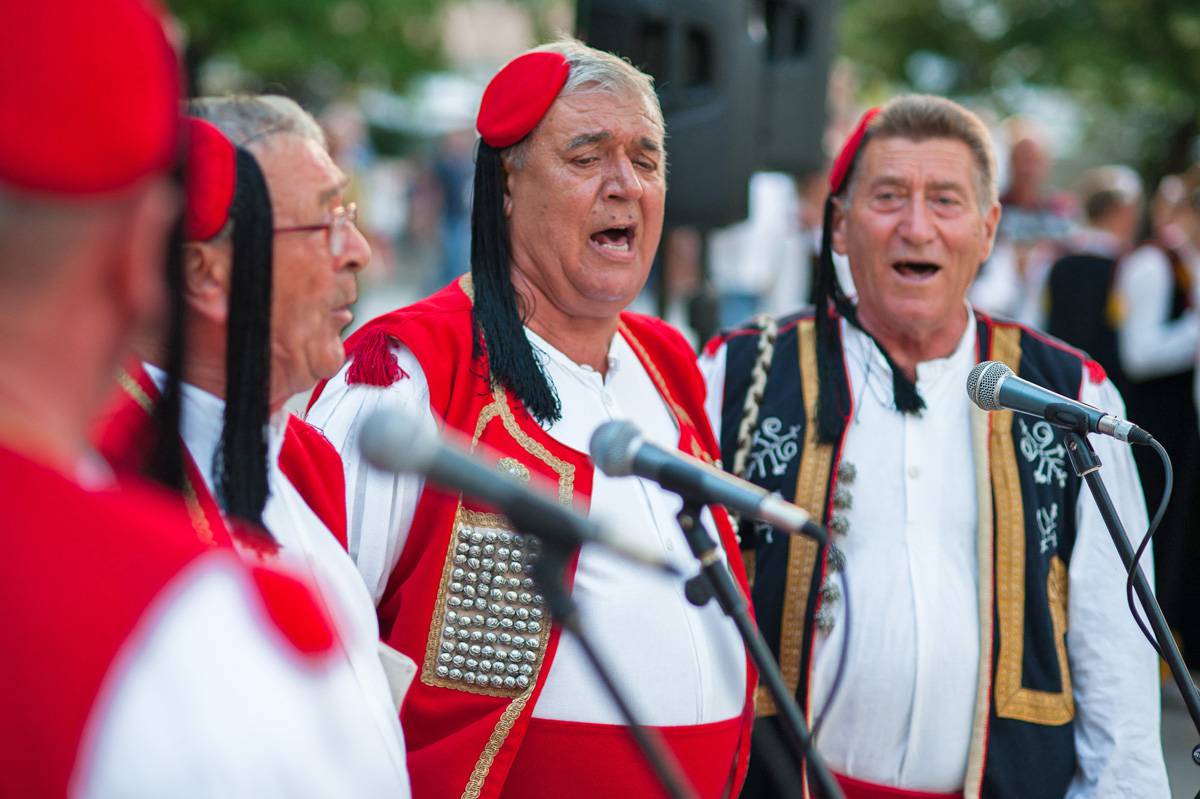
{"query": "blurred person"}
(1157, 342)
(528, 354)
(139, 660)
(1033, 223)
(960, 535)
(1082, 307)
(269, 274)
(453, 170)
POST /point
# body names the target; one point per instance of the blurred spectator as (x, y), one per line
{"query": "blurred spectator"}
(1158, 340)
(1082, 308)
(1033, 224)
(454, 172)
(793, 282)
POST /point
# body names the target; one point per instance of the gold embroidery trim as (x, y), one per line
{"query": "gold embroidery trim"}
(651, 369)
(191, 502)
(484, 765)
(812, 485)
(1014, 701)
(976, 754)
(499, 407)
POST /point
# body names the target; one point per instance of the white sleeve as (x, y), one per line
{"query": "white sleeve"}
(1151, 345)
(379, 504)
(207, 698)
(712, 368)
(1113, 667)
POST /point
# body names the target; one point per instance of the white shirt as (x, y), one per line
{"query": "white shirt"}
(679, 664)
(904, 713)
(1151, 343)
(206, 699)
(309, 550)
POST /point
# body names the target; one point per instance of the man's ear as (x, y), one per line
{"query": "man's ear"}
(508, 178)
(990, 224)
(839, 225)
(206, 278)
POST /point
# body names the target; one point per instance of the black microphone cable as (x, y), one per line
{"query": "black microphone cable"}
(1168, 488)
(843, 653)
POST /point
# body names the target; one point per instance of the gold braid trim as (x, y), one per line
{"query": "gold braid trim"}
(812, 485)
(1014, 701)
(499, 735)
(745, 433)
(656, 376)
(191, 502)
(976, 754)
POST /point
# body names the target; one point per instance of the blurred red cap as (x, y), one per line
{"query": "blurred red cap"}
(89, 102)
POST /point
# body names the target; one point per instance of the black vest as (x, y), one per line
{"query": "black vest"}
(1023, 743)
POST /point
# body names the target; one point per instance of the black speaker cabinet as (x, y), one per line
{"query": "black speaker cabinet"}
(742, 86)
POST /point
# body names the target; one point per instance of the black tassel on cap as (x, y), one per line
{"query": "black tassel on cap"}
(499, 329)
(241, 461)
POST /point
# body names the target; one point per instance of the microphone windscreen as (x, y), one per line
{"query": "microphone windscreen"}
(983, 384)
(613, 447)
(397, 442)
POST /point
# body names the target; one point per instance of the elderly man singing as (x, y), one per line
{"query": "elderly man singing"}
(528, 354)
(966, 670)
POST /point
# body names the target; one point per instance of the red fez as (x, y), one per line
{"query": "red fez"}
(211, 176)
(519, 96)
(90, 95)
(841, 167)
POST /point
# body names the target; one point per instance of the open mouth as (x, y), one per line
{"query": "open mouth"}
(916, 270)
(617, 240)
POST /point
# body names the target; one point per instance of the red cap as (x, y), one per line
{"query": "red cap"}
(211, 176)
(519, 96)
(89, 102)
(841, 167)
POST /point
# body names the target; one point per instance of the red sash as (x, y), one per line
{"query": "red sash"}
(857, 789)
(601, 761)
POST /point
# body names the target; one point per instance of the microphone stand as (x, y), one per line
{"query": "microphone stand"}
(546, 571)
(1087, 465)
(733, 603)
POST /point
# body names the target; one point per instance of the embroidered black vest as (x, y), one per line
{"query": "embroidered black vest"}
(1023, 741)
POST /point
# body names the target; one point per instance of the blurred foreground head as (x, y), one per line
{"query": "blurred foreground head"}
(89, 129)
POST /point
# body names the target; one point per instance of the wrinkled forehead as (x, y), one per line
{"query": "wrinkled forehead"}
(598, 108)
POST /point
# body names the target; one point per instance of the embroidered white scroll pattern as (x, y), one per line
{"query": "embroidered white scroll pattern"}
(1047, 522)
(1039, 445)
(771, 444)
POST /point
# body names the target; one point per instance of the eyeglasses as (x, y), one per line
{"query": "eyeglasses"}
(337, 228)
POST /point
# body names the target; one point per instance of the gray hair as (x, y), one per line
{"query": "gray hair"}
(593, 70)
(920, 117)
(250, 118)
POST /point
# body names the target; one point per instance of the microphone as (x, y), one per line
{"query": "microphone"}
(619, 450)
(993, 387)
(398, 442)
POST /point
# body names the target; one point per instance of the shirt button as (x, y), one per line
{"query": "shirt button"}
(914, 472)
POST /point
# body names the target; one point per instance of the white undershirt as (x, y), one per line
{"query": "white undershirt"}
(904, 713)
(679, 664)
(309, 550)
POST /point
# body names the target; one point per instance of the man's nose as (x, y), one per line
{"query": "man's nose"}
(622, 180)
(357, 252)
(916, 225)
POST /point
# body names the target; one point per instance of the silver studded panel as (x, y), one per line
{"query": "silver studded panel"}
(490, 625)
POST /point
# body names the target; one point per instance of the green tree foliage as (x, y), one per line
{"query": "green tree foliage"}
(311, 47)
(1136, 59)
